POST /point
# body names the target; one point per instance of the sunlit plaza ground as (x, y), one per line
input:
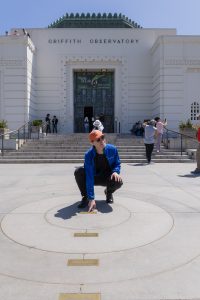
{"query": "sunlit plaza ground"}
(146, 245)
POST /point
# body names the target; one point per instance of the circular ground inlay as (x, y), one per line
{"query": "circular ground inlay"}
(104, 217)
(50, 225)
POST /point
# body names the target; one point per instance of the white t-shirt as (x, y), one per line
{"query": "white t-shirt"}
(86, 120)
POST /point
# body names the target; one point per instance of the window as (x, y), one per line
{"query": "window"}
(194, 111)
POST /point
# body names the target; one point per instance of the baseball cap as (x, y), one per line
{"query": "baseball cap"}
(94, 135)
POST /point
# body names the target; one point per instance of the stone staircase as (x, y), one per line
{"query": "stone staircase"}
(71, 148)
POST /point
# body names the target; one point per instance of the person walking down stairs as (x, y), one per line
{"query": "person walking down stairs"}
(149, 138)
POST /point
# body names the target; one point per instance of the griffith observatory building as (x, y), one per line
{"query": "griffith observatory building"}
(93, 64)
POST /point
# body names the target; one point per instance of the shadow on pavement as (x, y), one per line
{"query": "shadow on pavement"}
(190, 175)
(72, 210)
(138, 165)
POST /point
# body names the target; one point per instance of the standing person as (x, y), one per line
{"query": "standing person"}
(86, 124)
(54, 123)
(149, 138)
(160, 126)
(101, 167)
(197, 170)
(48, 124)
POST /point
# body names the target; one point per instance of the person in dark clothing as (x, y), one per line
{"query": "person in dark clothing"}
(48, 124)
(54, 123)
(101, 167)
(137, 129)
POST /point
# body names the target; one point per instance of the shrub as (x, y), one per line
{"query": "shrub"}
(3, 124)
(37, 122)
(196, 126)
(187, 124)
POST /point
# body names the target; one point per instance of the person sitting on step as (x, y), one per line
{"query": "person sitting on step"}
(98, 125)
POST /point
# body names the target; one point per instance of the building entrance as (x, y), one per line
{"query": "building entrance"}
(94, 97)
(88, 112)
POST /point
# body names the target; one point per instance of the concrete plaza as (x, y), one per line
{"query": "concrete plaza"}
(145, 246)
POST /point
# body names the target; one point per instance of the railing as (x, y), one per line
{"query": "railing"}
(21, 135)
(117, 127)
(180, 141)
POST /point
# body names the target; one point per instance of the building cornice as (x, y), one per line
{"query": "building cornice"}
(94, 21)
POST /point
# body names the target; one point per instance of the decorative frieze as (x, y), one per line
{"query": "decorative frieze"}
(96, 59)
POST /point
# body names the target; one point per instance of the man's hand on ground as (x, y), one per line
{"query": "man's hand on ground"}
(116, 177)
(92, 205)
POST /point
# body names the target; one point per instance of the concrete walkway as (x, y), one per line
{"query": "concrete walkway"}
(144, 246)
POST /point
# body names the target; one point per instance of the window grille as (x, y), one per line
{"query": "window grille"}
(194, 111)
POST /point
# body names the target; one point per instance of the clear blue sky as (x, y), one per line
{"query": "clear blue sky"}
(184, 15)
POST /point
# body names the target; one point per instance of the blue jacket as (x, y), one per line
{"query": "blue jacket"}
(113, 159)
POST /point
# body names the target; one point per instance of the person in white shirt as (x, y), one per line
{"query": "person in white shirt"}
(86, 124)
(98, 125)
(160, 126)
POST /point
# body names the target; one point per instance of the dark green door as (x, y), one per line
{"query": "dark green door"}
(94, 90)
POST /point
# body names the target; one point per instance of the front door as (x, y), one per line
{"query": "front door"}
(88, 112)
(94, 94)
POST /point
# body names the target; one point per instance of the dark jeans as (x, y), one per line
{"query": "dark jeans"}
(54, 128)
(149, 150)
(48, 129)
(111, 185)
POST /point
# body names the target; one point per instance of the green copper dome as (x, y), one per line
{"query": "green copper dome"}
(94, 21)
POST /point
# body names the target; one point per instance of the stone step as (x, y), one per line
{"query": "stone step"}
(20, 153)
(84, 143)
(71, 149)
(29, 156)
(23, 161)
(57, 147)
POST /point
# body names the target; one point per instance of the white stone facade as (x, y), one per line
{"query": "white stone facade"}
(156, 73)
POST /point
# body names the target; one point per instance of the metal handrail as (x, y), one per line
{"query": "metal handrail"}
(24, 131)
(9, 132)
(182, 135)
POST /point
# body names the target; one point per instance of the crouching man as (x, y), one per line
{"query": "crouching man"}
(101, 167)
